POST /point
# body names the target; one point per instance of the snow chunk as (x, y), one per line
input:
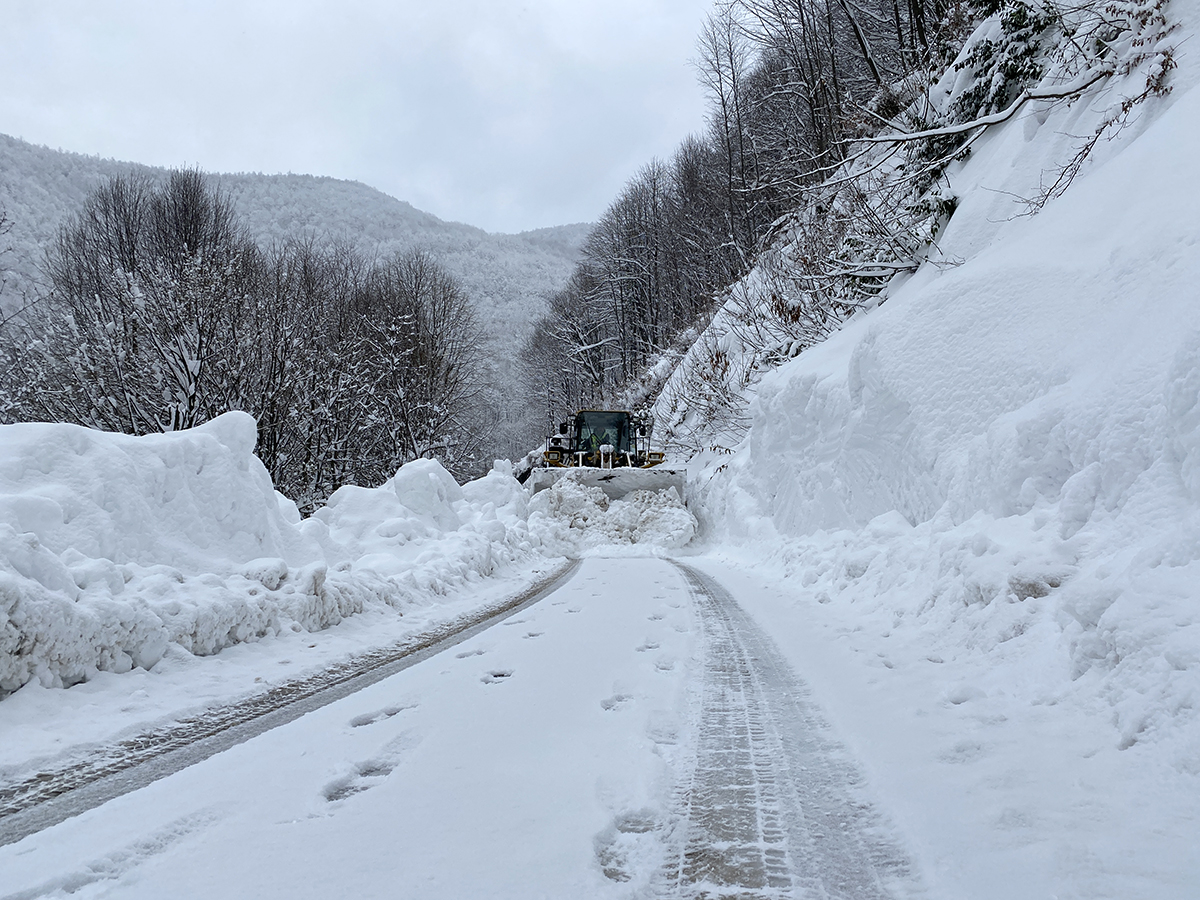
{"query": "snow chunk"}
(426, 488)
(571, 518)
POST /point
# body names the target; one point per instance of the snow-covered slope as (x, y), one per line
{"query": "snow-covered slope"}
(1031, 416)
(507, 275)
(989, 487)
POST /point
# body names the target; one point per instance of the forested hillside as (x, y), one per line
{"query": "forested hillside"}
(504, 279)
(827, 171)
(507, 275)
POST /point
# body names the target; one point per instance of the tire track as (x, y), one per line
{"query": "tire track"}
(771, 807)
(56, 794)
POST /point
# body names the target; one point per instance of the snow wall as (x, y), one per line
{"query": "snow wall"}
(113, 547)
(1006, 454)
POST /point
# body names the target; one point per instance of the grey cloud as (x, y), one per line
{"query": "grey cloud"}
(505, 115)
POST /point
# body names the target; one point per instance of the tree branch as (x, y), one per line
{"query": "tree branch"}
(1071, 89)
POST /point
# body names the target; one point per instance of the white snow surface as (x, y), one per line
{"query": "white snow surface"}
(574, 519)
(113, 548)
(533, 760)
(981, 504)
(970, 519)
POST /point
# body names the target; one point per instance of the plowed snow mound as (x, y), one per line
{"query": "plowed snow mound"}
(114, 548)
(571, 518)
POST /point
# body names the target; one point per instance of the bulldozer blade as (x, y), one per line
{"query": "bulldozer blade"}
(615, 483)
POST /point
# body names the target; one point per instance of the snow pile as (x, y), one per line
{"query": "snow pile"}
(423, 530)
(164, 499)
(570, 519)
(113, 547)
(1006, 454)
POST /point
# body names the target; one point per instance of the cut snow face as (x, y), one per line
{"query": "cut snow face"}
(987, 490)
(570, 519)
(113, 547)
(1032, 413)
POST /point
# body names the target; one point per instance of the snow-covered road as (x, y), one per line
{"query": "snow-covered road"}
(770, 806)
(633, 734)
(57, 792)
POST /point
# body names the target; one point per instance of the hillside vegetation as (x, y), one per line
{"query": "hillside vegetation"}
(506, 278)
(826, 174)
(954, 405)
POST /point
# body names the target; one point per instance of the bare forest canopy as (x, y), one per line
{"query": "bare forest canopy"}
(823, 172)
(292, 222)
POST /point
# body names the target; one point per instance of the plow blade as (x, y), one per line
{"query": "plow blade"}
(615, 483)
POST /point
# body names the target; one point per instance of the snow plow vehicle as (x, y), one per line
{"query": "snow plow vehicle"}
(608, 449)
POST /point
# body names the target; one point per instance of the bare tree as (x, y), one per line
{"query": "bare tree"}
(148, 296)
(162, 315)
(422, 363)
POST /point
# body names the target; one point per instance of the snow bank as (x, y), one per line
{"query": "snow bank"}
(570, 519)
(113, 547)
(424, 531)
(164, 499)
(1009, 448)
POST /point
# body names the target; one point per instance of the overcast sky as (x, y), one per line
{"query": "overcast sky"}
(507, 114)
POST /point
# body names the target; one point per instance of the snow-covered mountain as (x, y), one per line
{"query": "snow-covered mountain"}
(507, 275)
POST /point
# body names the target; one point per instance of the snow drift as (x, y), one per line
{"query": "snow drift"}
(113, 547)
(571, 518)
(1007, 452)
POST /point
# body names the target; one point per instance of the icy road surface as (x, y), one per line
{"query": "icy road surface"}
(769, 807)
(56, 793)
(634, 734)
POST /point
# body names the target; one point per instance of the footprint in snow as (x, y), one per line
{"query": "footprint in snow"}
(496, 676)
(534, 634)
(366, 775)
(656, 617)
(964, 752)
(649, 645)
(467, 653)
(616, 701)
(370, 772)
(379, 715)
(622, 839)
(663, 732)
(664, 664)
